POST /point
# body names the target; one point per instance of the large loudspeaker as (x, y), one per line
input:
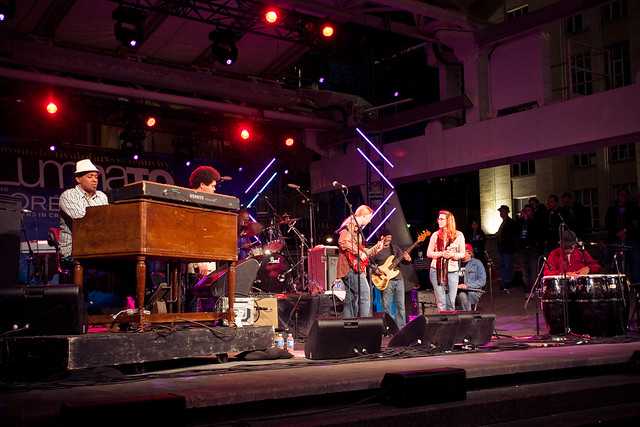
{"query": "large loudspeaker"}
(440, 332)
(343, 338)
(47, 309)
(10, 217)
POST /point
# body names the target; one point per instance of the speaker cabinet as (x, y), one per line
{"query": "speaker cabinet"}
(441, 331)
(323, 264)
(47, 309)
(267, 308)
(343, 338)
(10, 217)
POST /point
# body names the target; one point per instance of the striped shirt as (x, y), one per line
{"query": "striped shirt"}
(73, 205)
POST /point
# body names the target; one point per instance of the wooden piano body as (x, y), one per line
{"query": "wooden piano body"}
(137, 229)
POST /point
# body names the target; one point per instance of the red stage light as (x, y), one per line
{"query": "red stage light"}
(245, 134)
(271, 16)
(52, 108)
(151, 121)
(289, 142)
(328, 31)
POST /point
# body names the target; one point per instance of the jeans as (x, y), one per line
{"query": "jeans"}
(351, 302)
(506, 269)
(395, 290)
(445, 301)
(527, 260)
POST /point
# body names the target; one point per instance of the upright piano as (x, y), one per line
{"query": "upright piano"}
(148, 227)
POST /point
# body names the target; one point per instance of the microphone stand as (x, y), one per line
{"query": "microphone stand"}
(489, 268)
(309, 202)
(345, 191)
(533, 290)
(565, 306)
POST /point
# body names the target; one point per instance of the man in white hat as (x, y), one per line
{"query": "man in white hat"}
(74, 202)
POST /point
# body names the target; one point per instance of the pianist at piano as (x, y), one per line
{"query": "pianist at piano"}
(74, 201)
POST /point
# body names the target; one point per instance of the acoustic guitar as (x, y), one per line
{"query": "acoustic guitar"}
(389, 269)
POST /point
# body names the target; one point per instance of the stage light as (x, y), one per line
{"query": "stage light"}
(396, 94)
(381, 224)
(136, 157)
(375, 148)
(321, 80)
(384, 178)
(381, 205)
(187, 163)
(151, 121)
(223, 47)
(7, 10)
(271, 16)
(129, 26)
(328, 31)
(408, 225)
(52, 148)
(262, 189)
(245, 134)
(240, 169)
(2, 17)
(52, 107)
(289, 142)
(329, 239)
(286, 171)
(260, 175)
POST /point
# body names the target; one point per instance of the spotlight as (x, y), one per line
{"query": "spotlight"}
(327, 31)
(223, 47)
(321, 80)
(52, 148)
(329, 239)
(396, 94)
(52, 108)
(245, 134)
(129, 26)
(240, 169)
(289, 142)
(271, 15)
(7, 10)
(136, 157)
(151, 121)
(286, 171)
(187, 163)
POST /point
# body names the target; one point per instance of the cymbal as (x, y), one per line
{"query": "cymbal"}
(288, 220)
(252, 229)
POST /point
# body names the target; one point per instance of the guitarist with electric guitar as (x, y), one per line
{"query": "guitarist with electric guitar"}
(353, 260)
(388, 278)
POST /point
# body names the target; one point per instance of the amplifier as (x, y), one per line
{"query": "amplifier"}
(322, 265)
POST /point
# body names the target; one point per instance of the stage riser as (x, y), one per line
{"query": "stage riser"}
(59, 353)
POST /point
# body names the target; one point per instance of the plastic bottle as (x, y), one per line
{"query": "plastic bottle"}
(290, 342)
(280, 341)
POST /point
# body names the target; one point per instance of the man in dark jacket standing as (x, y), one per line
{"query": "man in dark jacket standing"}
(507, 238)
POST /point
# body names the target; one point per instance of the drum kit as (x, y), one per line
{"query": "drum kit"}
(277, 272)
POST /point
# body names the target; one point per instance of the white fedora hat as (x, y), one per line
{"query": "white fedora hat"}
(84, 166)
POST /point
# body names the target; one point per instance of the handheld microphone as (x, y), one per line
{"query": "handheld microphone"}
(294, 186)
(225, 178)
(337, 184)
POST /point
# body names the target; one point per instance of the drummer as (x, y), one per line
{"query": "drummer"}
(248, 231)
(574, 261)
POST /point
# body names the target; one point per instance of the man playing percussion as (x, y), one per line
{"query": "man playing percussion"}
(574, 261)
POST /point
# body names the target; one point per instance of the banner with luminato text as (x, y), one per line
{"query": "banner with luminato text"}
(38, 176)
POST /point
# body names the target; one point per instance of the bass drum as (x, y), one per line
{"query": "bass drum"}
(271, 268)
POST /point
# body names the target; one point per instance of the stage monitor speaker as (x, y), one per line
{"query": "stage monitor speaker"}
(414, 388)
(322, 266)
(435, 331)
(47, 310)
(343, 338)
(475, 329)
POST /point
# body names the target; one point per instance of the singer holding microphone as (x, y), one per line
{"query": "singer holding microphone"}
(574, 261)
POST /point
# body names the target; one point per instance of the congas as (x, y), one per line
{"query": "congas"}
(595, 303)
(600, 304)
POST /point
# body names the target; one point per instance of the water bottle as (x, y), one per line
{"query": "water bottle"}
(280, 341)
(290, 342)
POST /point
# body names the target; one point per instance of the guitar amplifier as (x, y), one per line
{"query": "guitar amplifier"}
(322, 266)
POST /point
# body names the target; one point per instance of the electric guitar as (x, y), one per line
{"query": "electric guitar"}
(364, 263)
(389, 269)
